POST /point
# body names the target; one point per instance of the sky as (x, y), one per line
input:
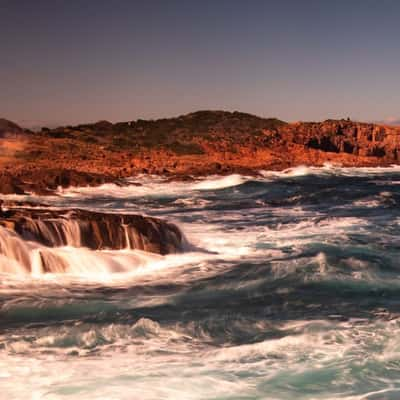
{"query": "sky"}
(75, 61)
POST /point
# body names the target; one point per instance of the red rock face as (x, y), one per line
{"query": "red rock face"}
(360, 139)
(201, 143)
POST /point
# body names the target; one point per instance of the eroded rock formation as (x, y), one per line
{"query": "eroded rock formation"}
(200, 143)
(97, 231)
(343, 136)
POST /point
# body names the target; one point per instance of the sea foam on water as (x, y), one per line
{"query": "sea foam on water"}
(289, 287)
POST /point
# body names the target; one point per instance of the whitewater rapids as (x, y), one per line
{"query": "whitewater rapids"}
(290, 289)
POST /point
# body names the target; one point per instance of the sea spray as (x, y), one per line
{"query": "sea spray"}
(290, 288)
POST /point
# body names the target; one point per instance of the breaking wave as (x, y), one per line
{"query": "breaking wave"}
(290, 289)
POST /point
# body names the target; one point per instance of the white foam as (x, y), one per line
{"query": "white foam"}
(154, 186)
(326, 357)
(329, 169)
(217, 182)
(150, 361)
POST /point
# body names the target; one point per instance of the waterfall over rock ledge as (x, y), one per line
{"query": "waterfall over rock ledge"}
(29, 236)
(97, 231)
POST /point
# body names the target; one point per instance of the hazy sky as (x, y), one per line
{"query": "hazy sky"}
(69, 61)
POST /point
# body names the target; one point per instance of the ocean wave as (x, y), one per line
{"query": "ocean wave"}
(217, 182)
(329, 169)
(309, 358)
(159, 186)
(154, 186)
(85, 337)
(291, 290)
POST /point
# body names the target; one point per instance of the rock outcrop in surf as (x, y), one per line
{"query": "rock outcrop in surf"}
(33, 240)
(94, 230)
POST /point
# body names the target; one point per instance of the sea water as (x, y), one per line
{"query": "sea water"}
(290, 289)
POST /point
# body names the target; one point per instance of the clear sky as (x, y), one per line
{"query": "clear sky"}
(70, 61)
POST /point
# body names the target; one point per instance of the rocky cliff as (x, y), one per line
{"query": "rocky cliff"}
(343, 136)
(200, 143)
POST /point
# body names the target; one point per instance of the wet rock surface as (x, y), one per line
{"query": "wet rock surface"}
(97, 231)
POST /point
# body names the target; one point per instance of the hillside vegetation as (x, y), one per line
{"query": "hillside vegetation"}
(202, 142)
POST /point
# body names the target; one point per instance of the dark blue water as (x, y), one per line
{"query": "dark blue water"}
(292, 291)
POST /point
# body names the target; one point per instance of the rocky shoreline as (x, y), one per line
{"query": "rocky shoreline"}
(25, 227)
(197, 144)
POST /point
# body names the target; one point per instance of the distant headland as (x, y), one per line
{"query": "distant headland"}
(199, 143)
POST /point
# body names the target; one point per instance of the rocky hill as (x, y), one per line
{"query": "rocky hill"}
(203, 142)
(9, 128)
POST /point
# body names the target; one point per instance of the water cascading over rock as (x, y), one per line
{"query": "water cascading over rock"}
(29, 236)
